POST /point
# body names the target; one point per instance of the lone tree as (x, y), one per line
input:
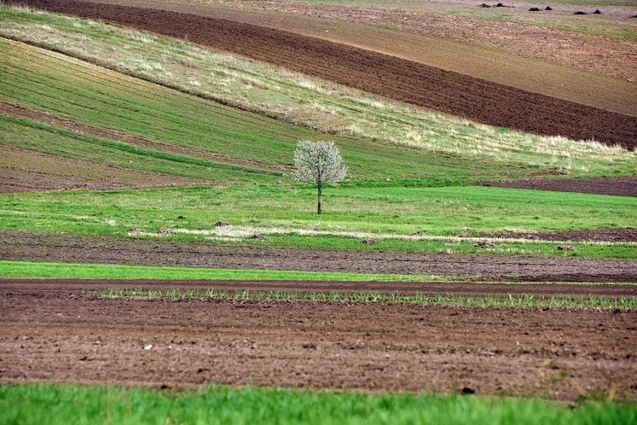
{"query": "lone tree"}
(318, 163)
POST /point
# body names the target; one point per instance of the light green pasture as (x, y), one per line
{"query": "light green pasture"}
(443, 219)
(29, 270)
(71, 404)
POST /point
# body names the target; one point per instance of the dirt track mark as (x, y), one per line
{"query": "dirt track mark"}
(380, 74)
(100, 250)
(602, 235)
(55, 121)
(26, 171)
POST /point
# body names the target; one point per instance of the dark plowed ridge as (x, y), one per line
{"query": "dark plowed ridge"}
(373, 72)
(99, 250)
(622, 186)
(60, 287)
(63, 336)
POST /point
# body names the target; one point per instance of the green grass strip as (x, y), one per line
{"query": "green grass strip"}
(504, 301)
(61, 404)
(29, 270)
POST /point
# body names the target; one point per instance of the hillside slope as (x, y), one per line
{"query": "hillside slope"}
(396, 78)
(582, 68)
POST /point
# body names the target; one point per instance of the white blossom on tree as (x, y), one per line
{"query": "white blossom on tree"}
(318, 163)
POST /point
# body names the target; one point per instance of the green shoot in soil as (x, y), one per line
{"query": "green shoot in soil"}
(506, 301)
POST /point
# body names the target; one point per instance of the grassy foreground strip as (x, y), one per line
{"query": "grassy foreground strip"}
(29, 270)
(509, 301)
(54, 404)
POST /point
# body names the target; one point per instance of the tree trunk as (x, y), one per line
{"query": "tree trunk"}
(320, 191)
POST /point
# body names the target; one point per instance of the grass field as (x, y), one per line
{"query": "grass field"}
(16, 269)
(163, 115)
(35, 404)
(443, 216)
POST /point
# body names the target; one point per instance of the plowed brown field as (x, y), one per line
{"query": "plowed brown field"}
(51, 332)
(622, 186)
(385, 75)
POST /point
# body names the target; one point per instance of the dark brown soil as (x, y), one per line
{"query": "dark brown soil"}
(70, 287)
(100, 250)
(604, 235)
(377, 73)
(623, 186)
(61, 336)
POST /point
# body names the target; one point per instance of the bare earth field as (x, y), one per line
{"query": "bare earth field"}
(63, 336)
(385, 75)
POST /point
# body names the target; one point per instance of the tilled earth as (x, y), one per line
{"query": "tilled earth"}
(52, 332)
(19, 246)
(623, 186)
(385, 75)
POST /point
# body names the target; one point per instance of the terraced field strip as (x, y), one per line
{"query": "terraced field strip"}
(28, 135)
(445, 220)
(372, 26)
(384, 75)
(60, 256)
(435, 147)
(159, 288)
(25, 170)
(56, 121)
(220, 143)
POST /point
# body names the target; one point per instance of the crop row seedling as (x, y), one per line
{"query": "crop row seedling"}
(489, 301)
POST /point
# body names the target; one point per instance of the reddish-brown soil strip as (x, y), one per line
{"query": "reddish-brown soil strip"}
(64, 337)
(384, 75)
(100, 250)
(622, 186)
